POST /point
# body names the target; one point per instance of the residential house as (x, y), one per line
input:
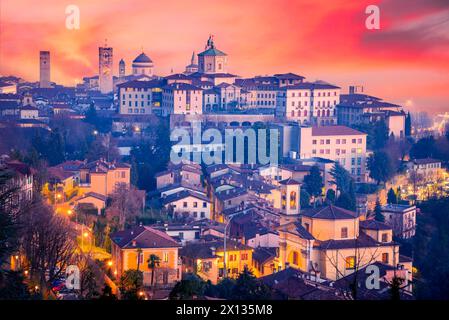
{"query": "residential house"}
(207, 259)
(132, 248)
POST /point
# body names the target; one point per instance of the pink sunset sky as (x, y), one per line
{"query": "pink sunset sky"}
(405, 62)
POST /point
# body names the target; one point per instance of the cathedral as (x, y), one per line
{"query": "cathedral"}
(212, 60)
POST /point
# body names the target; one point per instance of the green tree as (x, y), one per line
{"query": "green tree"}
(89, 283)
(423, 148)
(304, 199)
(378, 212)
(341, 178)
(391, 197)
(12, 286)
(107, 293)
(188, 288)
(380, 166)
(152, 155)
(347, 200)
(247, 287)
(330, 196)
(408, 125)
(131, 283)
(55, 148)
(9, 241)
(153, 262)
(314, 182)
(380, 135)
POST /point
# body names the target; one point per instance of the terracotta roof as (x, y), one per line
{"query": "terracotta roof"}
(262, 254)
(205, 250)
(181, 86)
(288, 76)
(177, 76)
(19, 167)
(94, 195)
(141, 84)
(363, 241)
(310, 86)
(230, 193)
(335, 131)
(329, 212)
(374, 225)
(303, 232)
(59, 173)
(182, 195)
(426, 161)
(144, 237)
(289, 181)
(212, 52)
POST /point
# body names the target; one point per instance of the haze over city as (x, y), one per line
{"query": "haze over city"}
(406, 61)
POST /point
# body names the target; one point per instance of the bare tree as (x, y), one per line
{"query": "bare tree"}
(47, 242)
(416, 179)
(127, 204)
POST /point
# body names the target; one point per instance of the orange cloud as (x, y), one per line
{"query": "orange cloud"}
(319, 39)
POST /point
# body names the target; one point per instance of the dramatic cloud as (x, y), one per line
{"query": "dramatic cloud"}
(407, 59)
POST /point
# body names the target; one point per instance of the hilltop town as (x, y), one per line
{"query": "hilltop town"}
(87, 170)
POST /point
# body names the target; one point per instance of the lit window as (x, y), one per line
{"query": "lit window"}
(350, 262)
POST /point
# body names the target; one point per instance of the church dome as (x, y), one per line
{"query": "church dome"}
(142, 58)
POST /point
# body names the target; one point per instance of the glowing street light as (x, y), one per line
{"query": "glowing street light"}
(110, 263)
(85, 234)
(69, 212)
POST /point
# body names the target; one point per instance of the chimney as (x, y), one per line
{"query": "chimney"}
(134, 243)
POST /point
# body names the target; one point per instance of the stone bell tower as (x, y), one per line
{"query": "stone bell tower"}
(290, 190)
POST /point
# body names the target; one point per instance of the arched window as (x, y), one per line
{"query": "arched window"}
(299, 113)
(293, 200)
(305, 113)
(283, 200)
(318, 113)
(328, 113)
(293, 113)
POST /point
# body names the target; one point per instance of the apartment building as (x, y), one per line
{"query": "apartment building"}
(103, 177)
(140, 97)
(182, 98)
(308, 103)
(132, 248)
(342, 144)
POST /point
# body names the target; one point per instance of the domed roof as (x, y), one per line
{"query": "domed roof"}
(142, 58)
